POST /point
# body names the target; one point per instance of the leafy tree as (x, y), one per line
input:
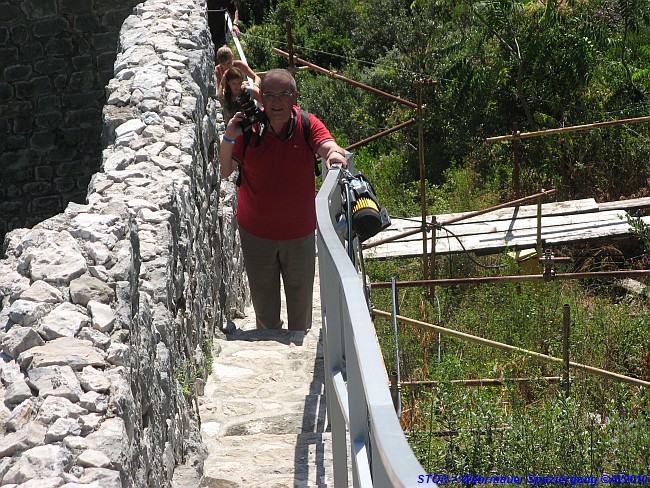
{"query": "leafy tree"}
(495, 63)
(634, 14)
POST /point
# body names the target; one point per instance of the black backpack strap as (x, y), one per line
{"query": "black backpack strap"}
(247, 139)
(306, 130)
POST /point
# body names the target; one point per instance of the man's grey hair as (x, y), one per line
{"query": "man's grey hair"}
(282, 74)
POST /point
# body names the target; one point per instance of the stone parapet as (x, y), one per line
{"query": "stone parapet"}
(109, 309)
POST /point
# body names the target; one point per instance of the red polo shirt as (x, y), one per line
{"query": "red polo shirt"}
(278, 185)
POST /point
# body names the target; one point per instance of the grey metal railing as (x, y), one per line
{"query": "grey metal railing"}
(235, 40)
(360, 408)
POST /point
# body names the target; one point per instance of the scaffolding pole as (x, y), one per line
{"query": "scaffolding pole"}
(507, 347)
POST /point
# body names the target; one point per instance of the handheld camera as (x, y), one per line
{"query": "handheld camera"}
(250, 109)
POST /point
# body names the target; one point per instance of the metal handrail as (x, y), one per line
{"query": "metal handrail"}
(359, 404)
(238, 48)
(235, 39)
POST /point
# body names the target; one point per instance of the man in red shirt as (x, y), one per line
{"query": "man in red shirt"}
(276, 209)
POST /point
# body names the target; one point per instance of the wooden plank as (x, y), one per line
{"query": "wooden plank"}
(515, 238)
(516, 228)
(524, 211)
(487, 221)
(462, 229)
(399, 226)
(549, 222)
(631, 204)
(555, 236)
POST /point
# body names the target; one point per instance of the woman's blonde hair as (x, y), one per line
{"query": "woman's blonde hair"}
(224, 53)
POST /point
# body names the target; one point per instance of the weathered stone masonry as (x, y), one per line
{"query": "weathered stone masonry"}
(108, 309)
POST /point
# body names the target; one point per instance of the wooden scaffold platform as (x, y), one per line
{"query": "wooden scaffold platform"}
(512, 228)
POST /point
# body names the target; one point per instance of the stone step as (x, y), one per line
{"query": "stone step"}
(270, 460)
(305, 416)
(263, 414)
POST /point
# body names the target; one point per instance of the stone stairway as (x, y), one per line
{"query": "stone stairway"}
(263, 413)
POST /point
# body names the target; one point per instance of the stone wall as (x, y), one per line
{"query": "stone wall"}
(108, 309)
(56, 57)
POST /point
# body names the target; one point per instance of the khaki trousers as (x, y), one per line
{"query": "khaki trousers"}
(266, 261)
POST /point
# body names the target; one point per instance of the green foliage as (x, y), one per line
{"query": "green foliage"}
(642, 230)
(208, 358)
(252, 11)
(541, 65)
(187, 375)
(519, 427)
(192, 369)
(486, 439)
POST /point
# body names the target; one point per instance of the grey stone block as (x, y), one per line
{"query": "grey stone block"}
(36, 9)
(48, 205)
(76, 6)
(50, 66)
(9, 12)
(32, 51)
(59, 47)
(40, 85)
(17, 72)
(19, 34)
(50, 27)
(6, 92)
(8, 56)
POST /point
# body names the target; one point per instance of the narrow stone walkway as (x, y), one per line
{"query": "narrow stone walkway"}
(263, 413)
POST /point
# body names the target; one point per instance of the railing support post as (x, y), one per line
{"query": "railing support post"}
(432, 258)
(423, 201)
(566, 325)
(515, 149)
(539, 227)
(395, 392)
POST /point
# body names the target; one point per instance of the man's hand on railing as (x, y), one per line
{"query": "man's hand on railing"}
(332, 154)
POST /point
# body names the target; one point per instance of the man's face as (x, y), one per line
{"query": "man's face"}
(278, 99)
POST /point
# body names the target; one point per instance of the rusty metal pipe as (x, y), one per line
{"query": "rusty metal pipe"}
(380, 134)
(423, 199)
(511, 279)
(392, 238)
(336, 76)
(511, 203)
(561, 130)
(566, 331)
(507, 347)
(482, 381)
